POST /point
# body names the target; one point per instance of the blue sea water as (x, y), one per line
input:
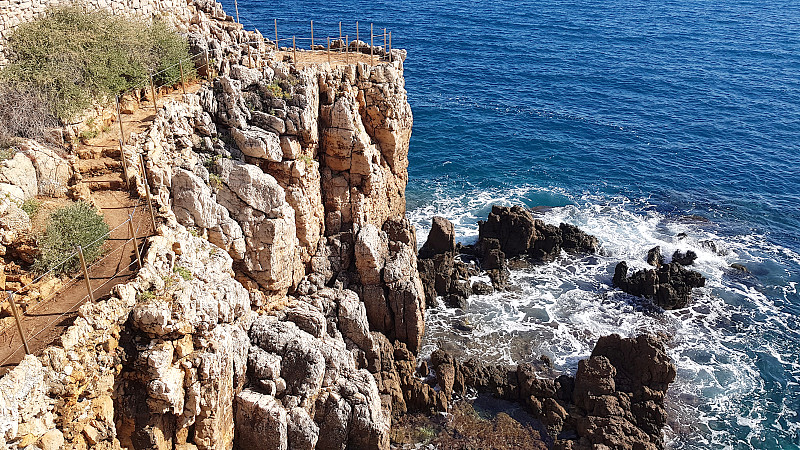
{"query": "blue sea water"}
(638, 121)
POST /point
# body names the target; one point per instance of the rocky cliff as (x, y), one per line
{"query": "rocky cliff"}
(283, 263)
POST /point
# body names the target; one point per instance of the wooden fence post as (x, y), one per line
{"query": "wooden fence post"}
(357, 38)
(208, 66)
(384, 40)
(340, 31)
(347, 49)
(390, 46)
(147, 192)
(312, 35)
(294, 52)
(153, 90)
(124, 164)
(183, 83)
(236, 5)
(119, 119)
(19, 323)
(85, 273)
(133, 238)
(329, 50)
(276, 36)
(371, 45)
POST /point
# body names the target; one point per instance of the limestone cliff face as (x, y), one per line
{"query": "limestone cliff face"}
(282, 273)
(301, 187)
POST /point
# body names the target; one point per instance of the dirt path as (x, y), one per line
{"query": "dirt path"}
(46, 321)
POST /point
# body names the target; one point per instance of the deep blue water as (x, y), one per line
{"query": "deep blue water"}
(637, 121)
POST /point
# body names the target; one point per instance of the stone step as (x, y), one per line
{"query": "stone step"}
(98, 166)
(106, 182)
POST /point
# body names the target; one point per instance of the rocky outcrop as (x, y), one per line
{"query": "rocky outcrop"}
(511, 232)
(441, 272)
(669, 286)
(615, 399)
(32, 170)
(519, 234)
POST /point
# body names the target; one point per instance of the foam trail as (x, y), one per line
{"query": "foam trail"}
(735, 346)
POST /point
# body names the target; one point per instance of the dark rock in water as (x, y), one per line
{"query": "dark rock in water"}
(669, 286)
(740, 268)
(440, 272)
(481, 288)
(684, 259)
(573, 240)
(427, 273)
(654, 257)
(514, 228)
(457, 296)
(499, 278)
(519, 234)
(682, 236)
(619, 392)
(441, 239)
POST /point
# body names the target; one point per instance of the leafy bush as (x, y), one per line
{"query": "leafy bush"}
(76, 57)
(168, 48)
(73, 225)
(6, 152)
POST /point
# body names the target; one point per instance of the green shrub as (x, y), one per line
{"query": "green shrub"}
(167, 49)
(77, 224)
(76, 57)
(31, 207)
(6, 153)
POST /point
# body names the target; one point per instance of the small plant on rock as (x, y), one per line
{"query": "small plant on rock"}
(31, 207)
(184, 273)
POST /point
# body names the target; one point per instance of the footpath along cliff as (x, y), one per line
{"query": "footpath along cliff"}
(280, 303)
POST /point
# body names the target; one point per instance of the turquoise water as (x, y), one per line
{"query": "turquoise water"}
(638, 121)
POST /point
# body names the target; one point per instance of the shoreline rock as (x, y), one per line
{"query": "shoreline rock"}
(669, 286)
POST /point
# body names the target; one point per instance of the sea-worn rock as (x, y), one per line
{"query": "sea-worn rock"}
(670, 286)
(519, 234)
(684, 259)
(654, 257)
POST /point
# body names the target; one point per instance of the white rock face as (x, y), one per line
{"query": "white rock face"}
(19, 171)
(53, 172)
(372, 249)
(24, 402)
(261, 421)
(258, 143)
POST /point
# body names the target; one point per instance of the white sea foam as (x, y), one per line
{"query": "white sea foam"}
(734, 347)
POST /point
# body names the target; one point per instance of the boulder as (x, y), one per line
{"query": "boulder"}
(441, 238)
(654, 257)
(519, 234)
(670, 286)
(684, 259)
(258, 143)
(261, 421)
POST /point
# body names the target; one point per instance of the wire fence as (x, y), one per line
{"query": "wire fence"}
(133, 232)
